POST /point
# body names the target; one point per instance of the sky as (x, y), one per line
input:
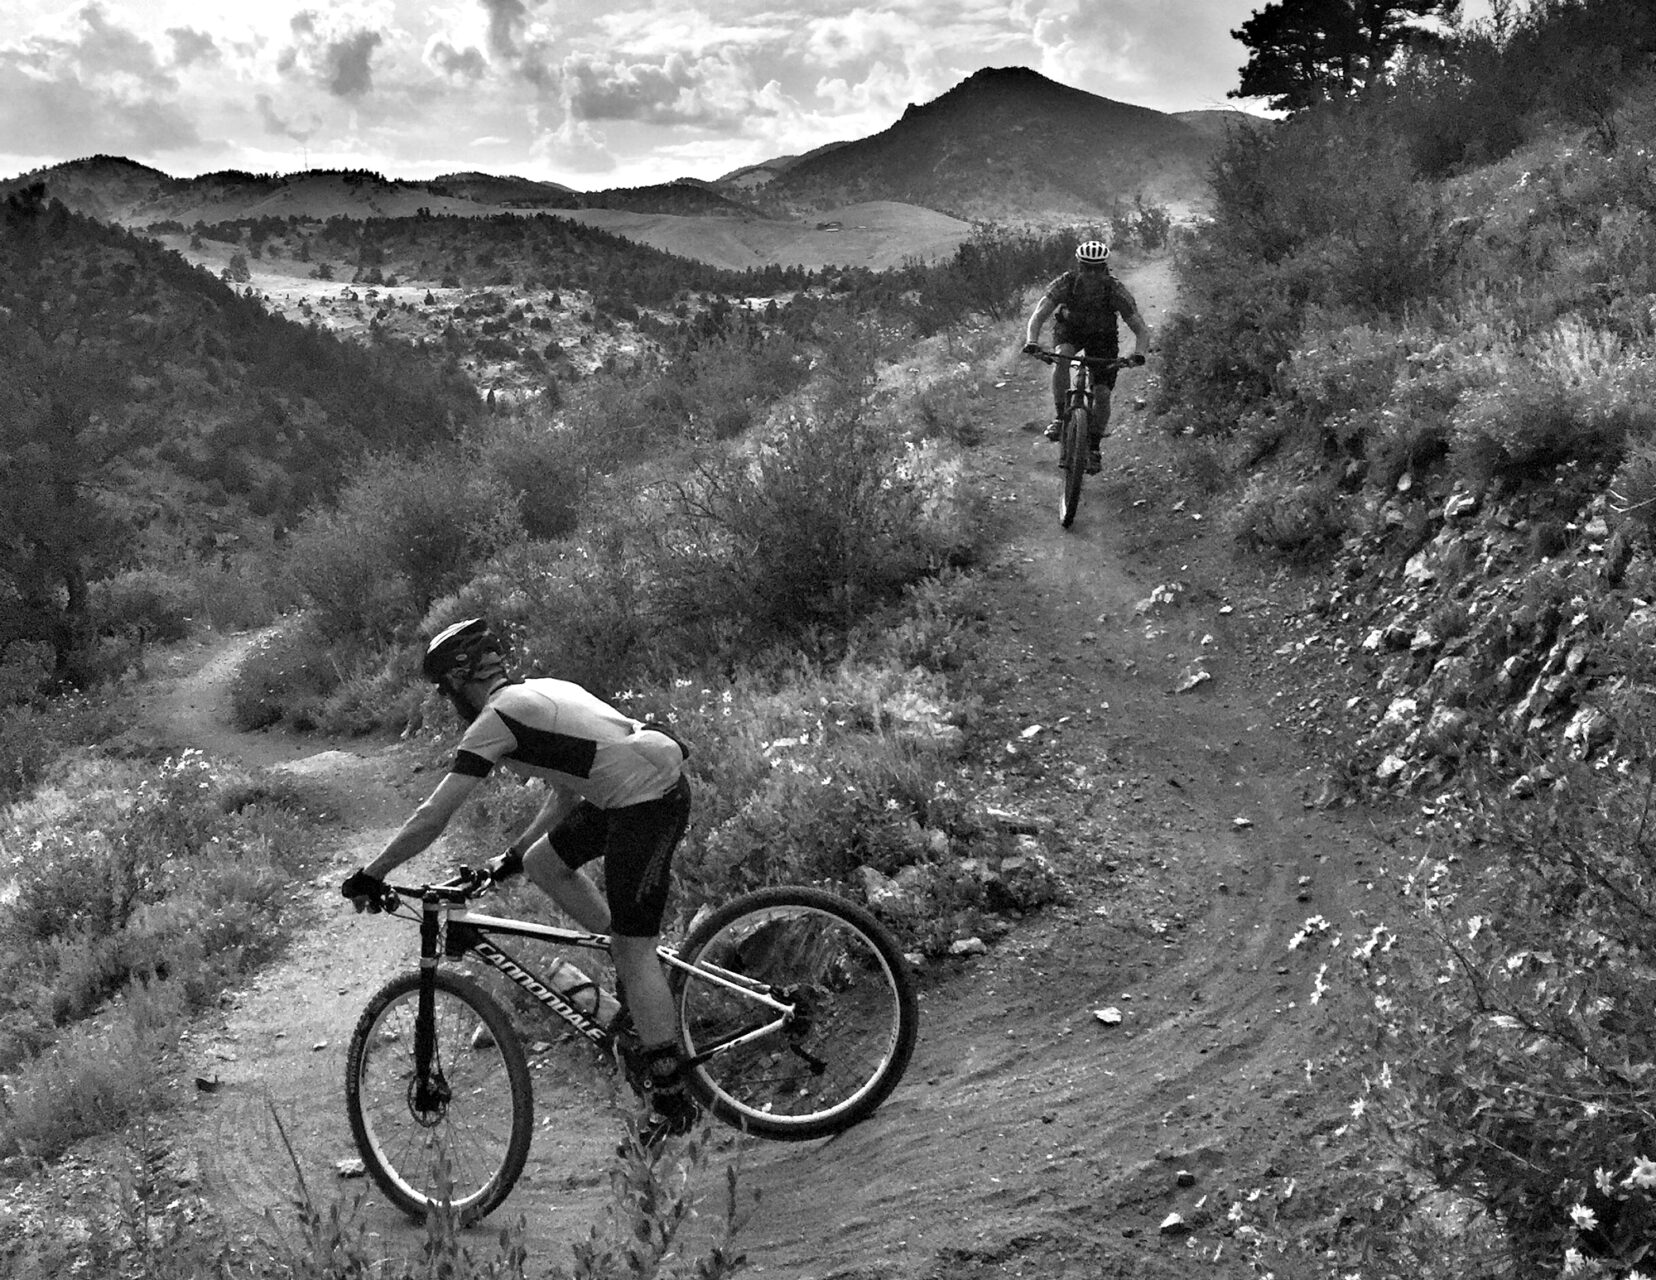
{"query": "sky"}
(589, 93)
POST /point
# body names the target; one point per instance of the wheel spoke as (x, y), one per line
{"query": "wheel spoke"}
(458, 1135)
(846, 1040)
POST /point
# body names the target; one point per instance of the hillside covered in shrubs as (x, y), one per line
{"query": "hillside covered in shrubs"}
(1419, 359)
(151, 414)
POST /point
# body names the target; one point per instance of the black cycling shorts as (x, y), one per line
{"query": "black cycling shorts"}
(636, 843)
(1100, 345)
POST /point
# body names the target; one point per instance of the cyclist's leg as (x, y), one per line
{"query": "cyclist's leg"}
(637, 874)
(1102, 388)
(553, 865)
(1061, 377)
(638, 858)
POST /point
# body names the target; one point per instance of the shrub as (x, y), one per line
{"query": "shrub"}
(149, 603)
(538, 464)
(949, 409)
(285, 676)
(1578, 397)
(1633, 487)
(34, 735)
(1338, 374)
(826, 519)
(402, 534)
(26, 668)
(1295, 519)
(157, 884)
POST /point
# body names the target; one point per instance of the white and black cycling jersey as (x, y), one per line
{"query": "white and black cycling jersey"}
(557, 731)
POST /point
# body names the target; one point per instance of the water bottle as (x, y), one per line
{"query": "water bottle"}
(582, 992)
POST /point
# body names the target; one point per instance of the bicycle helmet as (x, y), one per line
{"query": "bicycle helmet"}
(463, 650)
(1092, 252)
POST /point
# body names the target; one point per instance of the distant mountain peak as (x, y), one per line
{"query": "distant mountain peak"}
(1003, 145)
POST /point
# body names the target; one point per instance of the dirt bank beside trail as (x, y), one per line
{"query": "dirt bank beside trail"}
(1030, 1138)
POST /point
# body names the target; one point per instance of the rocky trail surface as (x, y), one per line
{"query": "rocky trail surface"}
(1094, 1091)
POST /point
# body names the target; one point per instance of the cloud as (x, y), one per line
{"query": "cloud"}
(282, 128)
(861, 35)
(507, 19)
(444, 58)
(98, 87)
(349, 73)
(341, 61)
(715, 90)
(191, 47)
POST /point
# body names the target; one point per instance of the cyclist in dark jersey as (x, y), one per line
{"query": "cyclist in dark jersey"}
(616, 791)
(1088, 302)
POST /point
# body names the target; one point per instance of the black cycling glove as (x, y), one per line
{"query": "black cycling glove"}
(1032, 348)
(1135, 359)
(366, 892)
(505, 866)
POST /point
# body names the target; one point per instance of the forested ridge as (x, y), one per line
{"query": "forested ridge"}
(147, 402)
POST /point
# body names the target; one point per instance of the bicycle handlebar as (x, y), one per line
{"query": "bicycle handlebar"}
(1097, 362)
(466, 884)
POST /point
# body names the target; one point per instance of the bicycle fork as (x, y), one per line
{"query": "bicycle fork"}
(428, 1092)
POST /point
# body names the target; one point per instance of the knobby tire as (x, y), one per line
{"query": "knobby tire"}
(467, 1150)
(855, 1023)
(1074, 454)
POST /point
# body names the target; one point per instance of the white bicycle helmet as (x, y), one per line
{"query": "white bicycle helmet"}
(1093, 251)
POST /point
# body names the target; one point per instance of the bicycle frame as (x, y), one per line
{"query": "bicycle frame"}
(454, 931)
(1081, 389)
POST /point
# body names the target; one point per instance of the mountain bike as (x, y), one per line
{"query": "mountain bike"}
(1077, 418)
(795, 1010)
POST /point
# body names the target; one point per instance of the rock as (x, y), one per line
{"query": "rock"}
(1185, 1178)
(350, 1167)
(1419, 571)
(1013, 823)
(1445, 730)
(1110, 1017)
(1192, 677)
(1400, 714)
(1174, 1225)
(881, 891)
(1588, 730)
(1460, 504)
(1025, 879)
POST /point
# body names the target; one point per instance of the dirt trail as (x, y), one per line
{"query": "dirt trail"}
(1029, 1138)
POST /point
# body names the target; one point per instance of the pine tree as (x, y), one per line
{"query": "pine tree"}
(1302, 52)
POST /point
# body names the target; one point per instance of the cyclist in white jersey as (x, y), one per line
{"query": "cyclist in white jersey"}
(616, 791)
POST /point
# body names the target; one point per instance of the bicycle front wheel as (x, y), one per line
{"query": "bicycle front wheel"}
(846, 1031)
(459, 1136)
(1075, 464)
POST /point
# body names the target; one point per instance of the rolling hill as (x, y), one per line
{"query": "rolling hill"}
(1005, 145)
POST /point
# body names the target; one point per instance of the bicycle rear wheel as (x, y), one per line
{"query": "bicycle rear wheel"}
(464, 1137)
(1074, 454)
(845, 1044)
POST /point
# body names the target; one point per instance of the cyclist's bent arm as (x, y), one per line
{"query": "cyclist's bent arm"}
(1038, 318)
(1141, 334)
(425, 824)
